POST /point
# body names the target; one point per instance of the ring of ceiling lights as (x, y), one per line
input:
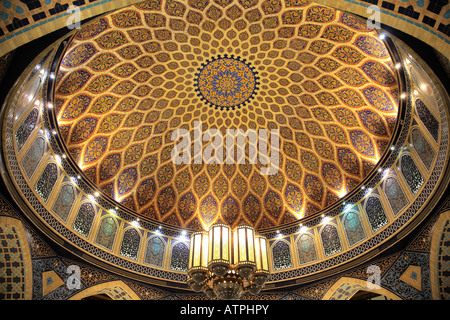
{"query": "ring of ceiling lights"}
(32, 99)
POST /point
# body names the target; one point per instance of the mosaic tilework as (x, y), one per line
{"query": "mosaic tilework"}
(211, 174)
(226, 82)
(132, 90)
(12, 272)
(392, 280)
(444, 253)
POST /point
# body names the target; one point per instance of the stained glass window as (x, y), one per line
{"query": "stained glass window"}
(428, 119)
(47, 180)
(107, 232)
(353, 228)
(179, 259)
(26, 128)
(375, 213)
(281, 254)
(395, 195)
(306, 249)
(130, 244)
(154, 254)
(330, 240)
(64, 201)
(33, 156)
(423, 148)
(411, 173)
(84, 219)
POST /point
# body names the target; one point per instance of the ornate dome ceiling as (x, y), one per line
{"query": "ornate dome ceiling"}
(319, 76)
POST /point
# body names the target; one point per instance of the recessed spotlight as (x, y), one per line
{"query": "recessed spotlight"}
(135, 223)
(326, 219)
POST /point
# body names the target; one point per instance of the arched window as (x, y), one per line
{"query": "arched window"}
(353, 228)
(179, 259)
(395, 195)
(64, 201)
(107, 232)
(411, 173)
(281, 255)
(46, 181)
(84, 219)
(375, 213)
(428, 119)
(423, 148)
(306, 249)
(154, 253)
(26, 128)
(33, 156)
(130, 243)
(330, 240)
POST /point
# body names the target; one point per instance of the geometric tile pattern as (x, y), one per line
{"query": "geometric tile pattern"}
(326, 83)
(12, 269)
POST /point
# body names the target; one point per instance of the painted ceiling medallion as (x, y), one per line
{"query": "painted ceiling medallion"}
(226, 82)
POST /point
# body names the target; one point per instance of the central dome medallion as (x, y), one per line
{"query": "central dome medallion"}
(226, 82)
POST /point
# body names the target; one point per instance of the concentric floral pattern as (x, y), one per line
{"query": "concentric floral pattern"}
(128, 80)
(226, 82)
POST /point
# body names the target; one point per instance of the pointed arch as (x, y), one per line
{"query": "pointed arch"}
(346, 287)
(117, 290)
(155, 251)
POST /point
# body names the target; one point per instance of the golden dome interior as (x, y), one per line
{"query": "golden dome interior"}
(130, 78)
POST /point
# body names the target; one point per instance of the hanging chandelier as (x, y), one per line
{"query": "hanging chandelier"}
(224, 264)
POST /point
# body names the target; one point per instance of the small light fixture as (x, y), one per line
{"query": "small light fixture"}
(326, 219)
(135, 223)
